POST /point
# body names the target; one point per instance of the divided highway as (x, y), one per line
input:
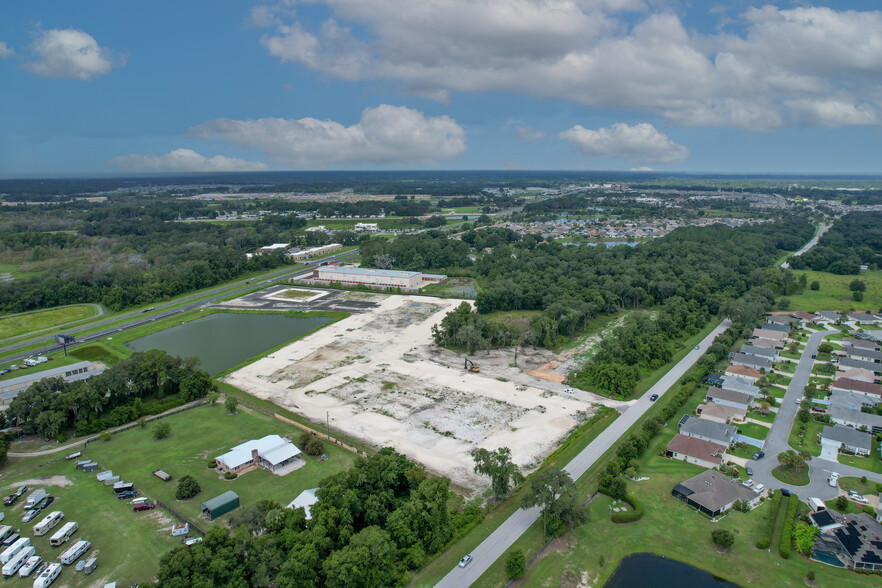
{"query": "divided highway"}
(141, 318)
(504, 537)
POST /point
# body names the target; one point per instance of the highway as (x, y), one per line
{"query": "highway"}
(811, 243)
(494, 546)
(197, 300)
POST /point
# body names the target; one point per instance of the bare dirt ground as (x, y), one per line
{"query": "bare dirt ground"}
(60, 481)
(378, 376)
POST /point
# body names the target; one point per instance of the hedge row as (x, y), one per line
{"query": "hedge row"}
(631, 515)
(787, 532)
(766, 540)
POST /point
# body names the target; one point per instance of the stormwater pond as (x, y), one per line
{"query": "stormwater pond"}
(224, 339)
(647, 570)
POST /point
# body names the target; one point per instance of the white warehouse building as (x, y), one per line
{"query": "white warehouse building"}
(374, 277)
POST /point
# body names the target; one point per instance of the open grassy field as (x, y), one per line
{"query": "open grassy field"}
(202, 434)
(23, 323)
(453, 288)
(834, 293)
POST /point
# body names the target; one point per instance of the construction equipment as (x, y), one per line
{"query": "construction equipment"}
(470, 365)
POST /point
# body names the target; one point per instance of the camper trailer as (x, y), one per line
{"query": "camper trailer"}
(11, 567)
(75, 552)
(47, 576)
(10, 551)
(63, 534)
(44, 526)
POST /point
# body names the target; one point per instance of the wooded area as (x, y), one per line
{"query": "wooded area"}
(852, 241)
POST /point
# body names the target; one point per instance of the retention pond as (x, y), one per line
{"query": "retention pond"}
(223, 340)
(647, 570)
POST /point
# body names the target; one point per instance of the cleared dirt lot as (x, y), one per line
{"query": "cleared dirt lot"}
(379, 377)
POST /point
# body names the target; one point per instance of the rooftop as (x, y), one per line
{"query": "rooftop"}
(364, 271)
(696, 448)
(855, 416)
(848, 436)
(714, 490)
(858, 386)
(271, 448)
(720, 411)
(705, 428)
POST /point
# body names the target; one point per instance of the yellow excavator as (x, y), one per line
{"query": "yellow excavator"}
(470, 365)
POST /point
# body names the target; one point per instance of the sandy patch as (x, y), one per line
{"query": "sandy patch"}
(306, 295)
(378, 377)
(60, 481)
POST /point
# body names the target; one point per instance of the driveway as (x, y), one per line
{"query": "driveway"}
(829, 453)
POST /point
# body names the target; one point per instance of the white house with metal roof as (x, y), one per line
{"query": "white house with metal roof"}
(305, 500)
(271, 453)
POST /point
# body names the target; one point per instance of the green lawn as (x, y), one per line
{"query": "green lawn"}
(852, 508)
(753, 430)
(788, 475)
(453, 288)
(201, 434)
(766, 418)
(834, 293)
(777, 392)
(97, 352)
(810, 442)
(743, 450)
(871, 463)
(855, 484)
(779, 379)
(14, 325)
(785, 366)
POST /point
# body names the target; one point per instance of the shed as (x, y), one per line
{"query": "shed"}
(220, 505)
(165, 477)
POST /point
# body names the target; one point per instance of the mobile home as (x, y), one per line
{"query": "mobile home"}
(13, 549)
(63, 534)
(47, 576)
(19, 559)
(35, 498)
(52, 519)
(76, 550)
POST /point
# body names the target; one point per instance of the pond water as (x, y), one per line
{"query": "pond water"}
(222, 340)
(647, 570)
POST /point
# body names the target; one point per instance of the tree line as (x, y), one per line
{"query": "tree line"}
(852, 241)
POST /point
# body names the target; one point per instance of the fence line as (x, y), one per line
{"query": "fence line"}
(179, 516)
(325, 436)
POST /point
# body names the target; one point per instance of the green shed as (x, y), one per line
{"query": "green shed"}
(220, 505)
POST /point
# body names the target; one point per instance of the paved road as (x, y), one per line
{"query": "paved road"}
(139, 318)
(504, 537)
(812, 242)
(776, 442)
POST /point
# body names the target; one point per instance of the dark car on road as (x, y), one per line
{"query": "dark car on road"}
(758, 455)
(10, 500)
(653, 398)
(785, 492)
(127, 494)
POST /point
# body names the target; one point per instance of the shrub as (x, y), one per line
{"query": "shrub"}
(212, 397)
(231, 404)
(304, 438)
(869, 510)
(766, 540)
(863, 479)
(784, 547)
(161, 430)
(816, 285)
(314, 446)
(722, 538)
(631, 515)
(106, 435)
(810, 575)
(515, 564)
(142, 422)
(841, 503)
(212, 463)
(230, 476)
(188, 487)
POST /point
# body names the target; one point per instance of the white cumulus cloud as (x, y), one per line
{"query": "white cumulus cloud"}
(803, 65)
(529, 133)
(184, 160)
(385, 135)
(5, 50)
(70, 53)
(642, 143)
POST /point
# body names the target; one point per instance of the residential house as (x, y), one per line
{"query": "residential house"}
(777, 327)
(851, 400)
(862, 318)
(759, 363)
(714, 379)
(862, 353)
(826, 316)
(855, 544)
(304, 500)
(857, 374)
(729, 398)
(742, 386)
(826, 520)
(707, 430)
(696, 451)
(845, 438)
(862, 343)
(847, 384)
(769, 343)
(776, 337)
(850, 363)
(806, 317)
(742, 372)
(713, 493)
(780, 319)
(720, 413)
(271, 453)
(856, 419)
(768, 352)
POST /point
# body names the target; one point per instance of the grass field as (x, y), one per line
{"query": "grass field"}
(788, 475)
(27, 322)
(753, 430)
(834, 293)
(197, 436)
(810, 442)
(453, 288)
(295, 294)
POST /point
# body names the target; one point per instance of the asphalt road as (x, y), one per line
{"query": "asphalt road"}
(140, 318)
(812, 242)
(508, 532)
(776, 442)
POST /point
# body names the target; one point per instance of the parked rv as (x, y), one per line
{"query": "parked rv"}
(30, 565)
(63, 534)
(5, 531)
(75, 552)
(52, 519)
(47, 576)
(11, 539)
(14, 564)
(10, 551)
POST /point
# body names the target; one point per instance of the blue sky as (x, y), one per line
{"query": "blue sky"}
(116, 87)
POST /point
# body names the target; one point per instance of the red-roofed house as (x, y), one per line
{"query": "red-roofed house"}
(745, 373)
(696, 451)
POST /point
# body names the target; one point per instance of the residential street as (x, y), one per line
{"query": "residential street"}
(504, 537)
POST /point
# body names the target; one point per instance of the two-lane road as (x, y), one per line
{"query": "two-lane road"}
(508, 532)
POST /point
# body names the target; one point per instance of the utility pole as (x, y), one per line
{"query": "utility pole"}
(328, 424)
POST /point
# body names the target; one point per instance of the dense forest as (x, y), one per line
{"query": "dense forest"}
(684, 278)
(852, 241)
(145, 383)
(372, 523)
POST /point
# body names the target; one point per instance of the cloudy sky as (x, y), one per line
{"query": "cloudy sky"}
(232, 85)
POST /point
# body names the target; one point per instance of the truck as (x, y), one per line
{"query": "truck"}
(19, 559)
(35, 498)
(63, 534)
(30, 362)
(47, 576)
(10, 551)
(75, 551)
(49, 522)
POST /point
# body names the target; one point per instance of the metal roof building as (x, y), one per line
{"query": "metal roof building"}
(220, 505)
(11, 388)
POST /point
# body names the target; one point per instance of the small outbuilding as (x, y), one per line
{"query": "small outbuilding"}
(220, 505)
(165, 477)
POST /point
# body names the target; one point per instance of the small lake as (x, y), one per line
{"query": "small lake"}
(224, 339)
(647, 570)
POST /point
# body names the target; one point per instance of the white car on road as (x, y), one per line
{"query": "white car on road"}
(465, 561)
(834, 477)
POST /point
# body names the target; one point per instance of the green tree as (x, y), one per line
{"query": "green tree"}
(804, 537)
(212, 397)
(723, 538)
(106, 435)
(370, 559)
(841, 503)
(161, 430)
(816, 285)
(857, 286)
(188, 487)
(515, 564)
(555, 492)
(231, 403)
(857, 296)
(791, 458)
(497, 465)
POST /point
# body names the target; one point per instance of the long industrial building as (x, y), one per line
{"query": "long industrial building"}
(9, 389)
(375, 277)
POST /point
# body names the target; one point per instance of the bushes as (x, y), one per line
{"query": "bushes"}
(311, 445)
(631, 515)
(766, 540)
(723, 538)
(161, 430)
(515, 564)
(212, 463)
(787, 532)
(230, 476)
(188, 487)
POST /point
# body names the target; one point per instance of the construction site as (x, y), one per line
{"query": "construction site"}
(378, 376)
